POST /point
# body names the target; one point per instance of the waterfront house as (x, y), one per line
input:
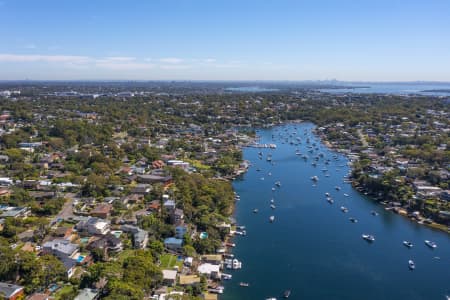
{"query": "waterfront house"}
(210, 270)
(189, 279)
(169, 277)
(215, 259)
(209, 296)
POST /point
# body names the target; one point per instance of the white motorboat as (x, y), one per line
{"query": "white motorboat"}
(430, 244)
(368, 237)
(411, 264)
(407, 244)
(271, 219)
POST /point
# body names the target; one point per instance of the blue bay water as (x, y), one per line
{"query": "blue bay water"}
(426, 89)
(312, 248)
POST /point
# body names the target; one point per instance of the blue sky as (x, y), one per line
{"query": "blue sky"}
(364, 40)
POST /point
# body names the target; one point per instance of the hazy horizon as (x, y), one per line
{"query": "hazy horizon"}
(286, 40)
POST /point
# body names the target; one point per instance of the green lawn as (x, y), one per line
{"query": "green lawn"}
(124, 254)
(168, 261)
(66, 292)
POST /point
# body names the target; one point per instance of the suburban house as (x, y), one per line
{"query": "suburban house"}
(14, 212)
(169, 277)
(87, 294)
(173, 243)
(60, 248)
(140, 237)
(141, 189)
(11, 291)
(189, 279)
(180, 231)
(65, 251)
(177, 216)
(150, 178)
(103, 210)
(107, 243)
(210, 270)
(94, 226)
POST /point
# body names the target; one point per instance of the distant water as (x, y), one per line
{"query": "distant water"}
(312, 248)
(250, 89)
(394, 88)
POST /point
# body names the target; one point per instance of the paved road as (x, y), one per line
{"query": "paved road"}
(362, 138)
(67, 209)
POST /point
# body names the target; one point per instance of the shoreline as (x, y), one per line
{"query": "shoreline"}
(433, 225)
(399, 211)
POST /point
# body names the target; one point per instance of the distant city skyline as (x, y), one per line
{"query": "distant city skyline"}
(384, 40)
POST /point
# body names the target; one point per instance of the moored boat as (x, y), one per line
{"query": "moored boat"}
(353, 220)
(411, 264)
(344, 209)
(407, 244)
(244, 284)
(271, 219)
(368, 237)
(286, 293)
(430, 244)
